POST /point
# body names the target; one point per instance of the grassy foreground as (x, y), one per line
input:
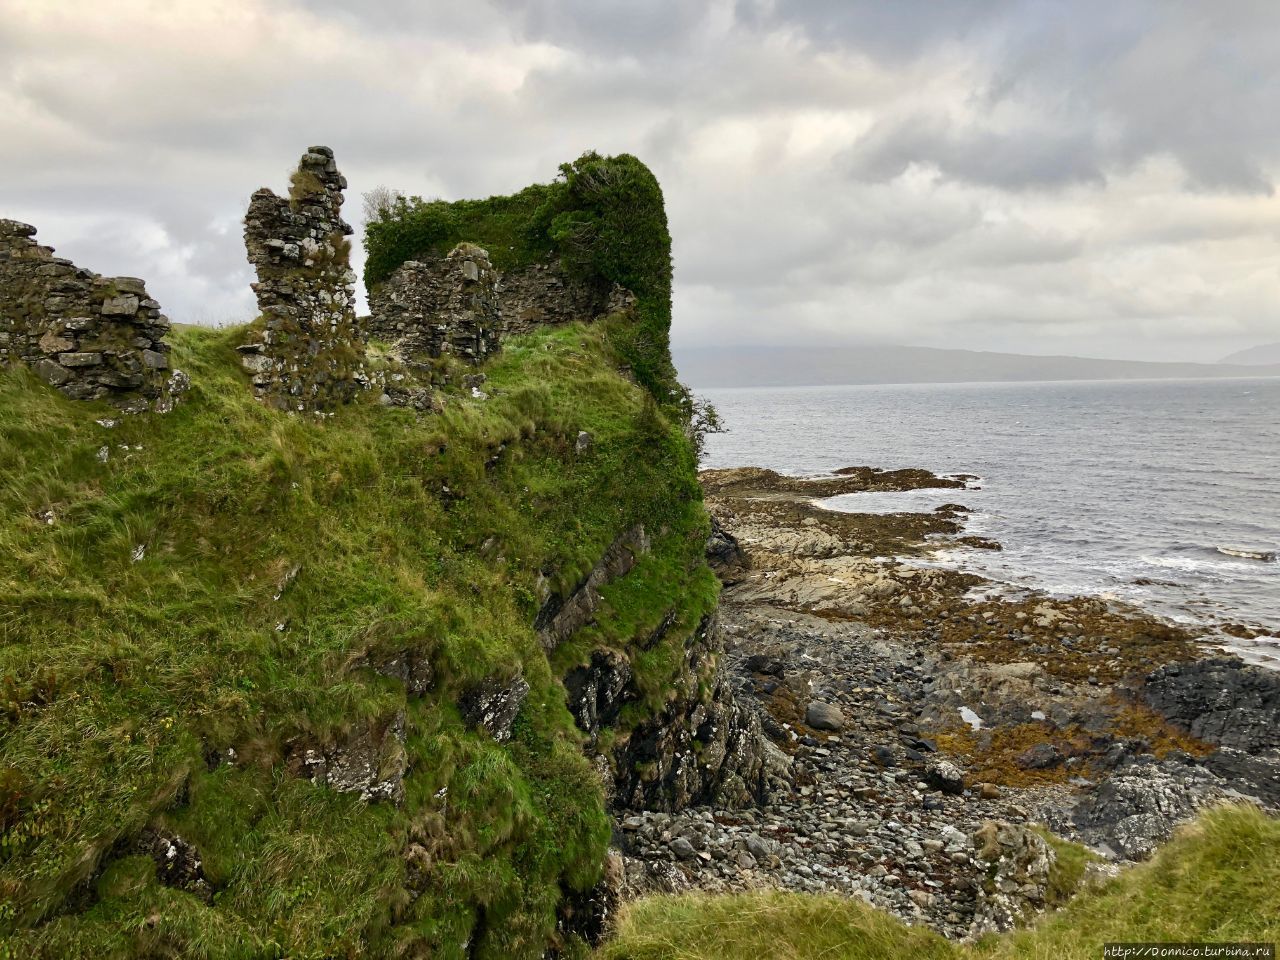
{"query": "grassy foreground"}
(228, 576)
(1218, 881)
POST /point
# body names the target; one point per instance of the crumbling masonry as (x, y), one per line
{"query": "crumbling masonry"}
(92, 337)
(308, 354)
(447, 305)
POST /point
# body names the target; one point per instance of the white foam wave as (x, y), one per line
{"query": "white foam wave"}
(1192, 565)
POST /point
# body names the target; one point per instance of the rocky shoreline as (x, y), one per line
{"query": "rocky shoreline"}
(945, 741)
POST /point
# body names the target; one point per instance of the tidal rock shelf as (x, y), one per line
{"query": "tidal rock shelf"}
(944, 745)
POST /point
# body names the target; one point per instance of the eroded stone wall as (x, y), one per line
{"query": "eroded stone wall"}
(541, 294)
(309, 354)
(92, 337)
(447, 305)
(460, 305)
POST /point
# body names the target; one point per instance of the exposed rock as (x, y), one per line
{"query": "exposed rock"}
(1041, 756)
(597, 692)
(310, 353)
(703, 747)
(177, 862)
(824, 716)
(725, 554)
(411, 668)
(945, 776)
(560, 617)
(1017, 877)
(92, 337)
(493, 705)
(1223, 701)
(683, 849)
(590, 914)
(1136, 809)
(370, 761)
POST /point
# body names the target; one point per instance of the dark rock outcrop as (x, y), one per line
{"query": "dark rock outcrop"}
(597, 692)
(493, 705)
(561, 616)
(725, 555)
(177, 861)
(1137, 807)
(1222, 701)
(706, 748)
(92, 337)
(589, 914)
(370, 761)
(310, 353)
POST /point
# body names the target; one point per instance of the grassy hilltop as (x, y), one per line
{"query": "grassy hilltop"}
(228, 577)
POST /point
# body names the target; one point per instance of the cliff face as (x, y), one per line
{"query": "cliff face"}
(359, 685)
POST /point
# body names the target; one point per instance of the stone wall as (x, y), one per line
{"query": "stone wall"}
(92, 337)
(309, 354)
(446, 305)
(460, 305)
(541, 294)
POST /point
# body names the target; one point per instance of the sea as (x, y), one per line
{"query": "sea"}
(1162, 494)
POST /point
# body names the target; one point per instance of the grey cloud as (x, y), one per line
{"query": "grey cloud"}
(1016, 174)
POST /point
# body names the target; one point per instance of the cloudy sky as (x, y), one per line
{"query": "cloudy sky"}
(1094, 177)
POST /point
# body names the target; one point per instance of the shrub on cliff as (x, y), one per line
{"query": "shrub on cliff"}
(603, 216)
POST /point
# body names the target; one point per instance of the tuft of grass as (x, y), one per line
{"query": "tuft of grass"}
(1218, 880)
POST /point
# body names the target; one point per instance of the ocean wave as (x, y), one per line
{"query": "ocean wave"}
(1192, 565)
(1266, 556)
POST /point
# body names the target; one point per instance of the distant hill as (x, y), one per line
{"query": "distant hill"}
(1266, 353)
(802, 366)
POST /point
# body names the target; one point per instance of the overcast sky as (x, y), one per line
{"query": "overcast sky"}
(1042, 176)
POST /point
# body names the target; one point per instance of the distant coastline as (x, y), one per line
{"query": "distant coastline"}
(877, 364)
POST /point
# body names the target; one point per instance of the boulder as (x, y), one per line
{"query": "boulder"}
(945, 776)
(824, 716)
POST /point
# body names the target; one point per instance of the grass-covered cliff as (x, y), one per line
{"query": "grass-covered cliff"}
(193, 607)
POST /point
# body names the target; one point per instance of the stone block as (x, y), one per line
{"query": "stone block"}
(80, 359)
(125, 305)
